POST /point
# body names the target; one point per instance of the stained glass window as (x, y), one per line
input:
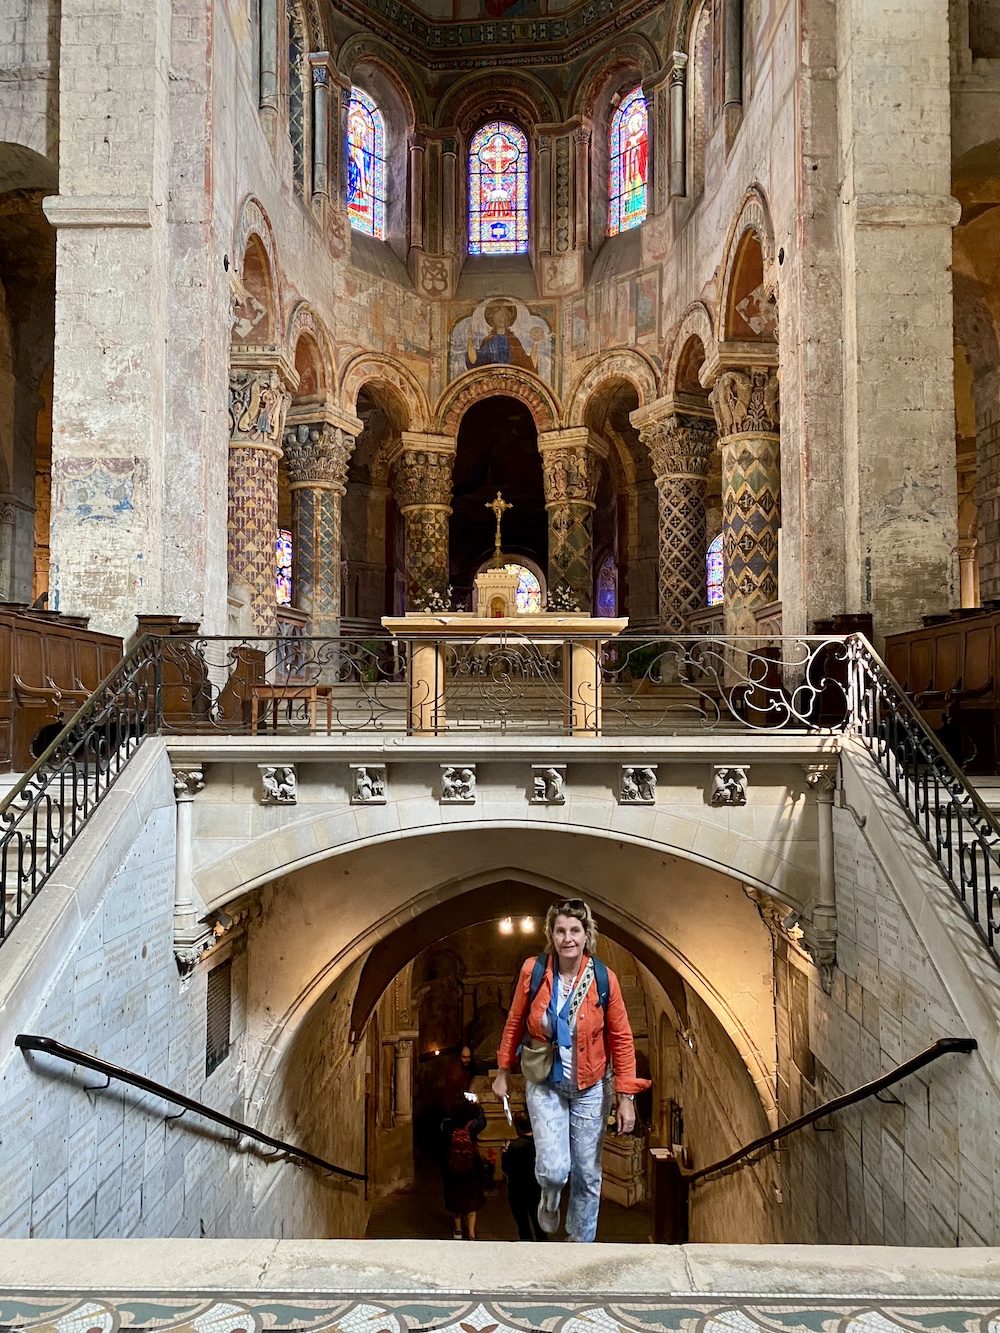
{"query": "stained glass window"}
(296, 95)
(366, 165)
(498, 190)
(713, 571)
(629, 164)
(607, 588)
(283, 568)
(529, 590)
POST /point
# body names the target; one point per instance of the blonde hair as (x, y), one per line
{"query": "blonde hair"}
(578, 909)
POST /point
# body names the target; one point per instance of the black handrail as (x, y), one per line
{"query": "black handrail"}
(943, 1046)
(27, 1042)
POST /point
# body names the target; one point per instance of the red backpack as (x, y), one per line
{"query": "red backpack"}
(461, 1151)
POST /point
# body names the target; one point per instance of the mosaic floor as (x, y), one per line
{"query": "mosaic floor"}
(254, 1314)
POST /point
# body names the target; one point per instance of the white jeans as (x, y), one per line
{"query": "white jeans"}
(568, 1126)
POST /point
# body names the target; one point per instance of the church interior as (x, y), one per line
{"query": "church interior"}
(459, 456)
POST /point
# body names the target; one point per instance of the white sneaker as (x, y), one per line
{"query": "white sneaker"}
(548, 1211)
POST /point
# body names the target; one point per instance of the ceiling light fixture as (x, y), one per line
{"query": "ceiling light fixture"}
(506, 926)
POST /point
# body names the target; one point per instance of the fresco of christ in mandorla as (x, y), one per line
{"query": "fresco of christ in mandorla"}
(502, 346)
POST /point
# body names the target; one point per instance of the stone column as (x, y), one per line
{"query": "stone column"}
(544, 194)
(317, 454)
(571, 465)
(581, 141)
(188, 782)
(745, 402)
(422, 489)
(258, 399)
(404, 1081)
(678, 125)
(268, 15)
(320, 123)
(680, 447)
(732, 71)
(417, 192)
(449, 177)
(821, 933)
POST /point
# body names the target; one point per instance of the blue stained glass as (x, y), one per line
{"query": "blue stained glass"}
(365, 165)
(529, 591)
(629, 173)
(498, 190)
(283, 568)
(714, 571)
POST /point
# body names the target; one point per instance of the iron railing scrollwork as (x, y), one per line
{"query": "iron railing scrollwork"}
(44, 813)
(575, 683)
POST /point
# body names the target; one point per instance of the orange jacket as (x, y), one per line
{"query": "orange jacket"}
(595, 1031)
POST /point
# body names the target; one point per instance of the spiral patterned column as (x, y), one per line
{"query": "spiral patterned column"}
(317, 455)
(745, 402)
(571, 466)
(258, 401)
(680, 450)
(422, 489)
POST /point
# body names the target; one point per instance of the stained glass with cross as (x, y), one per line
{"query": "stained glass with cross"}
(498, 190)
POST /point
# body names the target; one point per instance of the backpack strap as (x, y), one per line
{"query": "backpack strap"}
(537, 973)
(603, 984)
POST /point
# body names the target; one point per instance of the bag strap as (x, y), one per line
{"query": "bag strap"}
(537, 973)
(603, 984)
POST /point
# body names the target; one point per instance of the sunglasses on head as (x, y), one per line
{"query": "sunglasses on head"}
(573, 905)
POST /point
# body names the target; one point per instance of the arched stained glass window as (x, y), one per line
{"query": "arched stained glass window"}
(529, 591)
(283, 568)
(498, 190)
(607, 588)
(714, 571)
(627, 187)
(366, 165)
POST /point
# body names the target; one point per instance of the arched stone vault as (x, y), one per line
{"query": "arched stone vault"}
(302, 946)
(511, 382)
(637, 369)
(400, 384)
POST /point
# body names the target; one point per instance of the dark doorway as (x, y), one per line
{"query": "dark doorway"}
(497, 451)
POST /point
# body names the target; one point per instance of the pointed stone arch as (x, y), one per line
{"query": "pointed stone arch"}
(509, 381)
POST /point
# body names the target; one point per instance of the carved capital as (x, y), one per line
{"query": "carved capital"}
(188, 782)
(677, 69)
(258, 401)
(746, 402)
(422, 477)
(318, 455)
(823, 780)
(680, 446)
(570, 473)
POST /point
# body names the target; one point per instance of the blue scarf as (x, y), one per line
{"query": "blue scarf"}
(560, 1033)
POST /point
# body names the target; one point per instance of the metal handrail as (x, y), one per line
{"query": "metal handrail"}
(49, 1046)
(943, 1046)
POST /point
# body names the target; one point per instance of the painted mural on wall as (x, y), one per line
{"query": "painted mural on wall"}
(501, 331)
(620, 313)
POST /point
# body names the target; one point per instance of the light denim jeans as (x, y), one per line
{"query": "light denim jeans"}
(569, 1126)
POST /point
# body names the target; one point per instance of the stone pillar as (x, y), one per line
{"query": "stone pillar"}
(821, 934)
(404, 1081)
(449, 177)
(258, 399)
(188, 782)
(571, 465)
(317, 455)
(417, 192)
(268, 14)
(732, 70)
(320, 123)
(422, 489)
(581, 141)
(968, 572)
(745, 402)
(680, 447)
(544, 194)
(678, 125)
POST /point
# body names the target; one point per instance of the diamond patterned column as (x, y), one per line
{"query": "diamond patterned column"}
(258, 401)
(745, 403)
(317, 455)
(680, 449)
(571, 466)
(422, 489)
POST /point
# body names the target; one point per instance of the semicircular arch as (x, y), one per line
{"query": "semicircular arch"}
(633, 52)
(628, 365)
(401, 386)
(491, 382)
(478, 97)
(363, 49)
(305, 322)
(252, 222)
(696, 322)
(753, 216)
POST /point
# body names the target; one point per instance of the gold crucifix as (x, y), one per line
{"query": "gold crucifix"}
(499, 507)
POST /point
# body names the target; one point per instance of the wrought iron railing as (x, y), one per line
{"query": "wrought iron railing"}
(27, 1041)
(570, 682)
(44, 813)
(961, 833)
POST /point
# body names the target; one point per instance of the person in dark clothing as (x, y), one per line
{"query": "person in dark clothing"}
(461, 1166)
(523, 1190)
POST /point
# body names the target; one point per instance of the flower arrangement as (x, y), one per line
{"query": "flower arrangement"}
(438, 602)
(562, 598)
